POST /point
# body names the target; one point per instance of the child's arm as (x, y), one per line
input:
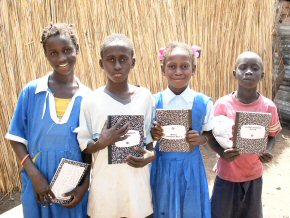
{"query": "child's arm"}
(227, 154)
(79, 192)
(266, 157)
(39, 182)
(108, 137)
(148, 157)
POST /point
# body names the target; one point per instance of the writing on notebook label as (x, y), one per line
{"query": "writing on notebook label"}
(132, 140)
(172, 132)
(253, 131)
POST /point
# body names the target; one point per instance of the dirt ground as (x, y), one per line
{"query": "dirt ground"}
(276, 180)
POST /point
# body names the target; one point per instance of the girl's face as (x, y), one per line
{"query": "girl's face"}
(178, 70)
(117, 61)
(248, 72)
(61, 54)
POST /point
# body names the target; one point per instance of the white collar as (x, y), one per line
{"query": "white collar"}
(187, 95)
(42, 86)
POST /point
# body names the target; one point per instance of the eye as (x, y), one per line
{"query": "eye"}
(53, 53)
(110, 59)
(171, 66)
(255, 68)
(242, 67)
(123, 59)
(185, 66)
(67, 50)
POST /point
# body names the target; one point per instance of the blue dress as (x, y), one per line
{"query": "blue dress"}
(178, 179)
(33, 125)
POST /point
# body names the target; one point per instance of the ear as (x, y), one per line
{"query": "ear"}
(162, 69)
(262, 75)
(101, 63)
(77, 48)
(193, 69)
(133, 63)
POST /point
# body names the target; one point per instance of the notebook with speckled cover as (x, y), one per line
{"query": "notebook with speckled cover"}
(251, 132)
(67, 176)
(118, 152)
(175, 124)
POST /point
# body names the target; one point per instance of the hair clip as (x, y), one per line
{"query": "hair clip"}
(161, 54)
(196, 51)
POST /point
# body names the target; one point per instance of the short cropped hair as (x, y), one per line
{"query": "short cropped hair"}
(117, 37)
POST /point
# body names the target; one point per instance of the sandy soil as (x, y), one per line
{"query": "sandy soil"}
(276, 179)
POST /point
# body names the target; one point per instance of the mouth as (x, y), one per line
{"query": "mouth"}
(63, 65)
(117, 74)
(177, 79)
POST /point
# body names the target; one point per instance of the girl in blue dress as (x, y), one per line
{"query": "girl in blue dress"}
(178, 179)
(43, 124)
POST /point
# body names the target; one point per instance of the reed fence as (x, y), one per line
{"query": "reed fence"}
(222, 28)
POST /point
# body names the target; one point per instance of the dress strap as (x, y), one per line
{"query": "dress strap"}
(199, 111)
(158, 100)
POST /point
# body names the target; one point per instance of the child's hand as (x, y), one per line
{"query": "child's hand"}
(148, 156)
(156, 131)
(266, 157)
(43, 194)
(193, 138)
(77, 195)
(230, 154)
(112, 135)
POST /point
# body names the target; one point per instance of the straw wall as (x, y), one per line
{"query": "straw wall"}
(222, 28)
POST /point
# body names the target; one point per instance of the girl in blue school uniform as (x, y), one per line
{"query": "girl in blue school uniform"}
(42, 127)
(178, 179)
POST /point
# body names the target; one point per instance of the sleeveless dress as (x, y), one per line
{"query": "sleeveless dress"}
(178, 179)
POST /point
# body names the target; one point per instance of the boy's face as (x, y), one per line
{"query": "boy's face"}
(178, 70)
(249, 70)
(117, 61)
(61, 54)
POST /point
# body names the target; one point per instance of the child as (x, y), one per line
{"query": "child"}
(178, 179)
(117, 190)
(238, 185)
(42, 127)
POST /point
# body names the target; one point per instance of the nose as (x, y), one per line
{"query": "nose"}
(248, 72)
(178, 71)
(61, 58)
(117, 65)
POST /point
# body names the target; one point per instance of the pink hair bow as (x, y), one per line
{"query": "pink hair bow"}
(196, 51)
(161, 54)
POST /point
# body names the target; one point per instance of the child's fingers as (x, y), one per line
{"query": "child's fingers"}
(124, 129)
(37, 197)
(266, 157)
(50, 193)
(41, 199)
(123, 137)
(156, 124)
(118, 123)
(135, 161)
(193, 132)
(139, 150)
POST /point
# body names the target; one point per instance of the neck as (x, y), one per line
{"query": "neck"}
(247, 96)
(62, 79)
(177, 91)
(117, 89)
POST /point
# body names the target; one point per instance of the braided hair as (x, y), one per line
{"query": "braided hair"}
(65, 29)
